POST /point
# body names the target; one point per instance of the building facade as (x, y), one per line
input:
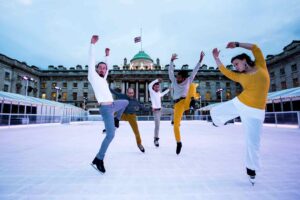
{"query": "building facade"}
(284, 68)
(71, 85)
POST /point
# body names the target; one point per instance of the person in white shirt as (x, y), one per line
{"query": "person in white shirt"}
(158, 110)
(97, 78)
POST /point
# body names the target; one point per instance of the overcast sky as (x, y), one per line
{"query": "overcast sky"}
(58, 32)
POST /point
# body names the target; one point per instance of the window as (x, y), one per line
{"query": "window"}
(295, 82)
(208, 96)
(44, 96)
(294, 67)
(165, 85)
(54, 85)
(64, 96)
(273, 87)
(272, 74)
(217, 85)
(74, 85)
(207, 84)
(7, 76)
(283, 85)
(18, 88)
(74, 95)
(53, 96)
(44, 85)
(86, 84)
(65, 84)
(228, 84)
(5, 88)
(282, 71)
(85, 94)
(228, 94)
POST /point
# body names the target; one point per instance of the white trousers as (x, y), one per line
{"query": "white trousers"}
(252, 120)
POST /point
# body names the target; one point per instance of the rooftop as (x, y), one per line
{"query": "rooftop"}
(141, 55)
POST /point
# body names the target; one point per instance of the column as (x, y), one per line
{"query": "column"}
(123, 87)
(137, 90)
(146, 91)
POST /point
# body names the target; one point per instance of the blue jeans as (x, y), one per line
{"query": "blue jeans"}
(107, 112)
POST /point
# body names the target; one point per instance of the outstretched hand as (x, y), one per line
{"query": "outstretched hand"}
(231, 45)
(215, 53)
(94, 39)
(202, 54)
(174, 57)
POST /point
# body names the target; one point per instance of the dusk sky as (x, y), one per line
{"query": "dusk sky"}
(58, 32)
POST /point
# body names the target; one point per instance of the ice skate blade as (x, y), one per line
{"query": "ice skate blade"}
(97, 169)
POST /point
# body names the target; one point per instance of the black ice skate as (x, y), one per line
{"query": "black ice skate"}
(251, 173)
(178, 148)
(99, 165)
(156, 141)
(141, 148)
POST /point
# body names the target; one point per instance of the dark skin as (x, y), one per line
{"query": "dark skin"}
(179, 78)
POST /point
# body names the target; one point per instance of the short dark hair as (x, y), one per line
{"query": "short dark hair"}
(183, 73)
(157, 83)
(99, 63)
(242, 56)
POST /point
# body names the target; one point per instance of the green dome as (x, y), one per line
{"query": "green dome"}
(141, 55)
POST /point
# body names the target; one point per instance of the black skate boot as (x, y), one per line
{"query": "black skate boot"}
(140, 146)
(251, 173)
(156, 141)
(117, 122)
(178, 148)
(99, 164)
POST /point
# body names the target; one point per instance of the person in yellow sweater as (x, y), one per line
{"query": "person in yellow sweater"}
(250, 104)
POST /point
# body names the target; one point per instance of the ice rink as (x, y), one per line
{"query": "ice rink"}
(53, 162)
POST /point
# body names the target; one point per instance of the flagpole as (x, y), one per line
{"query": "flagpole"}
(141, 41)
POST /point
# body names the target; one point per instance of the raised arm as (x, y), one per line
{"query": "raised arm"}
(150, 86)
(164, 92)
(171, 68)
(259, 57)
(228, 73)
(92, 74)
(195, 70)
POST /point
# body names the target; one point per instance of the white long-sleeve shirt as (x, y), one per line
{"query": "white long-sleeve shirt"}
(181, 89)
(156, 96)
(99, 84)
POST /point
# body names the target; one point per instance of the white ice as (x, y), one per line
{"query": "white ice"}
(53, 162)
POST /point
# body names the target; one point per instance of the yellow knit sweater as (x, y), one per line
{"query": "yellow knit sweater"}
(255, 85)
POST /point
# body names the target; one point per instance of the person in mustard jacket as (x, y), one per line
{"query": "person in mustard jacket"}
(250, 104)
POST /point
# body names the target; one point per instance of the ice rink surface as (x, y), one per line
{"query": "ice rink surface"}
(53, 162)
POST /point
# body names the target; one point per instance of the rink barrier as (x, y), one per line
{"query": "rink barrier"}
(275, 118)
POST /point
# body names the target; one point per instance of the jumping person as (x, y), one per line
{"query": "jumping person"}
(157, 109)
(250, 104)
(97, 78)
(184, 91)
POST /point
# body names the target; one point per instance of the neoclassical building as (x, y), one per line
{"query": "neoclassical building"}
(71, 85)
(284, 68)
